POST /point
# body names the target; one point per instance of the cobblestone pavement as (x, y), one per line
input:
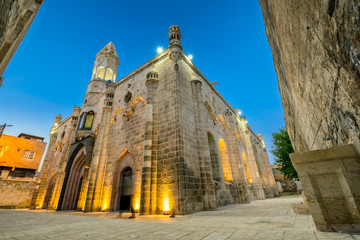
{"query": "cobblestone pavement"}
(266, 219)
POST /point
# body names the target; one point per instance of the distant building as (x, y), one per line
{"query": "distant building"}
(20, 156)
(163, 134)
(286, 186)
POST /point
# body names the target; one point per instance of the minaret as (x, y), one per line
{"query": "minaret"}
(106, 64)
(175, 43)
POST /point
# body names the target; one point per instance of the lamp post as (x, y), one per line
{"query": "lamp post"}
(2, 128)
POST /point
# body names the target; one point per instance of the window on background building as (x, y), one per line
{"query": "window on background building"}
(89, 119)
(28, 154)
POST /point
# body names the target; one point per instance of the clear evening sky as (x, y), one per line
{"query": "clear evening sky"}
(50, 71)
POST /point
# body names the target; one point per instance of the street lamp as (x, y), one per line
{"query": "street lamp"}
(2, 128)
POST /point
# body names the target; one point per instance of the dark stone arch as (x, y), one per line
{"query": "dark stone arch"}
(73, 153)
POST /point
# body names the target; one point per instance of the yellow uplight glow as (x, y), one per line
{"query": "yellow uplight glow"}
(159, 50)
(137, 205)
(166, 204)
(105, 206)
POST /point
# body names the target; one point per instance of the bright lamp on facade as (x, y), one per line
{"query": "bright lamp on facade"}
(159, 50)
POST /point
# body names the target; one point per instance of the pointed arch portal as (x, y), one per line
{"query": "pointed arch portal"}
(122, 182)
(73, 185)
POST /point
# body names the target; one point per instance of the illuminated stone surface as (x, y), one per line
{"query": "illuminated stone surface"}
(16, 17)
(268, 219)
(187, 148)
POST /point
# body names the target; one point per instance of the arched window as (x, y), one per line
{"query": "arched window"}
(214, 157)
(100, 73)
(88, 120)
(109, 74)
(225, 161)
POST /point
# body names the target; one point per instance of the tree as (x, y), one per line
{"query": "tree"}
(281, 149)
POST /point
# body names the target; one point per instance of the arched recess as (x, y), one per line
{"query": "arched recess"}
(74, 180)
(214, 157)
(243, 139)
(109, 74)
(124, 162)
(48, 191)
(247, 169)
(100, 73)
(220, 117)
(225, 161)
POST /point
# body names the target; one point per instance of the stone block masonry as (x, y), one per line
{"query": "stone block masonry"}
(163, 141)
(17, 193)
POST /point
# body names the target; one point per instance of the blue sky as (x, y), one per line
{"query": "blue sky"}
(50, 71)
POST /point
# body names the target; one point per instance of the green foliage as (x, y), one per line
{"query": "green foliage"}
(281, 150)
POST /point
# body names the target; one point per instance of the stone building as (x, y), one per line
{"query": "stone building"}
(315, 46)
(165, 127)
(16, 17)
(20, 158)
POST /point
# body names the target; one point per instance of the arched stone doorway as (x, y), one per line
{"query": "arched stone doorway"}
(125, 189)
(123, 182)
(73, 186)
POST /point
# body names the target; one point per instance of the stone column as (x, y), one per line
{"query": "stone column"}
(237, 165)
(99, 162)
(207, 185)
(146, 179)
(254, 171)
(37, 201)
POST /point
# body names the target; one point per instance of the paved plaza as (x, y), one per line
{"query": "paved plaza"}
(263, 219)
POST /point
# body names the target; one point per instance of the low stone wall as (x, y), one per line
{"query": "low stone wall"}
(16, 193)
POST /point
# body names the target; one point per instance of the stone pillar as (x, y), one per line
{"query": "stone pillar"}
(330, 180)
(254, 171)
(37, 201)
(99, 163)
(239, 167)
(148, 181)
(207, 185)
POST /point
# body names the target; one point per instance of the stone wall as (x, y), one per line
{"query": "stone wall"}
(316, 52)
(16, 17)
(16, 193)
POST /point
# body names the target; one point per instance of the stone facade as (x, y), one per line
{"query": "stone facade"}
(316, 51)
(20, 158)
(16, 17)
(165, 125)
(17, 193)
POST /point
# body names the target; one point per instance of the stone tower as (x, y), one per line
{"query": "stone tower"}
(106, 64)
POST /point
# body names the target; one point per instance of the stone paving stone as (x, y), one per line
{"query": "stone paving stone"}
(266, 219)
(269, 235)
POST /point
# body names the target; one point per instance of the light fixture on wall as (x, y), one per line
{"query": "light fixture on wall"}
(159, 50)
